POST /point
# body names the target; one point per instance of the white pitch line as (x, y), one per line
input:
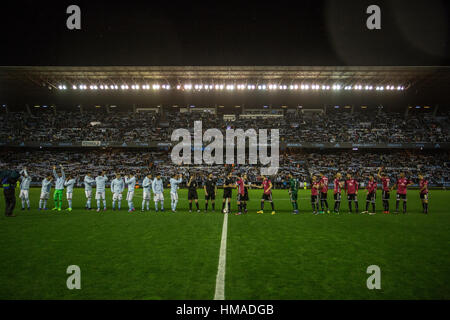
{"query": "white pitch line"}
(220, 279)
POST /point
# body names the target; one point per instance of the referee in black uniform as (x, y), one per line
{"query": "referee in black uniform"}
(210, 192)
(227, 191)
(192, 192)
(9, 181)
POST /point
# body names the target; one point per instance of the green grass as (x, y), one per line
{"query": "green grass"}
(175, 255)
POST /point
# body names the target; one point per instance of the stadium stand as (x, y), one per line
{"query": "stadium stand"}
(334, 126)
(302, 164)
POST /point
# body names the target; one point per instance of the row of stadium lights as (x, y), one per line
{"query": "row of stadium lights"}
(265, 106)
(231, 87)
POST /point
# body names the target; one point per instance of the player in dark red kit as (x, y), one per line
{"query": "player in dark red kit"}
(402, 186)
(371, 194)
(246, 198)
(423, 190)
(385, 181)
(315, 185)
(337, 192)
(351, 188)
(240, 185)
(267, 194)
(323, 193)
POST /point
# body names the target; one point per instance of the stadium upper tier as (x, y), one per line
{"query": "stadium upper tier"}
(332, 126)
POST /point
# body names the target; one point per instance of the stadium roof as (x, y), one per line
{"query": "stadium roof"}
(34, 85)
(409, 76)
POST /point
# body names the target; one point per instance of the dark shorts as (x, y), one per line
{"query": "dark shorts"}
(293, 195)
(210, 196)
(267, 197)
(370, 197)
(352, 197)
(192, 195)
(337, 196)
(245, 196)
(227, 193)
(386, 195)
(424, 196)
(323, 196)
(401, 196)
(314, 198)
(242, 197)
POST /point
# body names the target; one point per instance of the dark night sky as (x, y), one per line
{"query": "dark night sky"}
(225, 33)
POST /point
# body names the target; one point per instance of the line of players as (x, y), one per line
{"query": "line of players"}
(319, 191)
(117, 188)
(149, 185)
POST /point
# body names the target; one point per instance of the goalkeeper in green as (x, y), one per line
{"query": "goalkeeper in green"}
(293, 193)
(59, 187)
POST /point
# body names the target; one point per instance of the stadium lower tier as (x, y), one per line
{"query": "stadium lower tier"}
(435, 166)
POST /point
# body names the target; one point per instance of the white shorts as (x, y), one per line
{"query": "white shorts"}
(146, 195)
(69, 195)
(174, 196)
(88, 194)
(158, 197)
(100, 195)
(130, 195)
(45, 195)
(23, 194)
(117, 196)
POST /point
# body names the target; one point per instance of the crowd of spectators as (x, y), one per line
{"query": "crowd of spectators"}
(436, 165)
(334, 126)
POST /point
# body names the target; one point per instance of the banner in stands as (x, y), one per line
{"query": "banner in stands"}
(346, 145)
(160, 144)
(91, 143)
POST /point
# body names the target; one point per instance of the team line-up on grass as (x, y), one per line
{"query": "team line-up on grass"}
(319, 191)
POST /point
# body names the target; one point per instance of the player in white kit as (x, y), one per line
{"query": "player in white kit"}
(89, 182)
(45, 192)
(70, 183)
(158, 192)
(174, 182)
(100, 191)
(130, 181)
(146, 194)
(117, 187)
(24, 195)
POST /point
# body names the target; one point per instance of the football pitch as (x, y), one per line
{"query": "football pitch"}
(169, 255)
